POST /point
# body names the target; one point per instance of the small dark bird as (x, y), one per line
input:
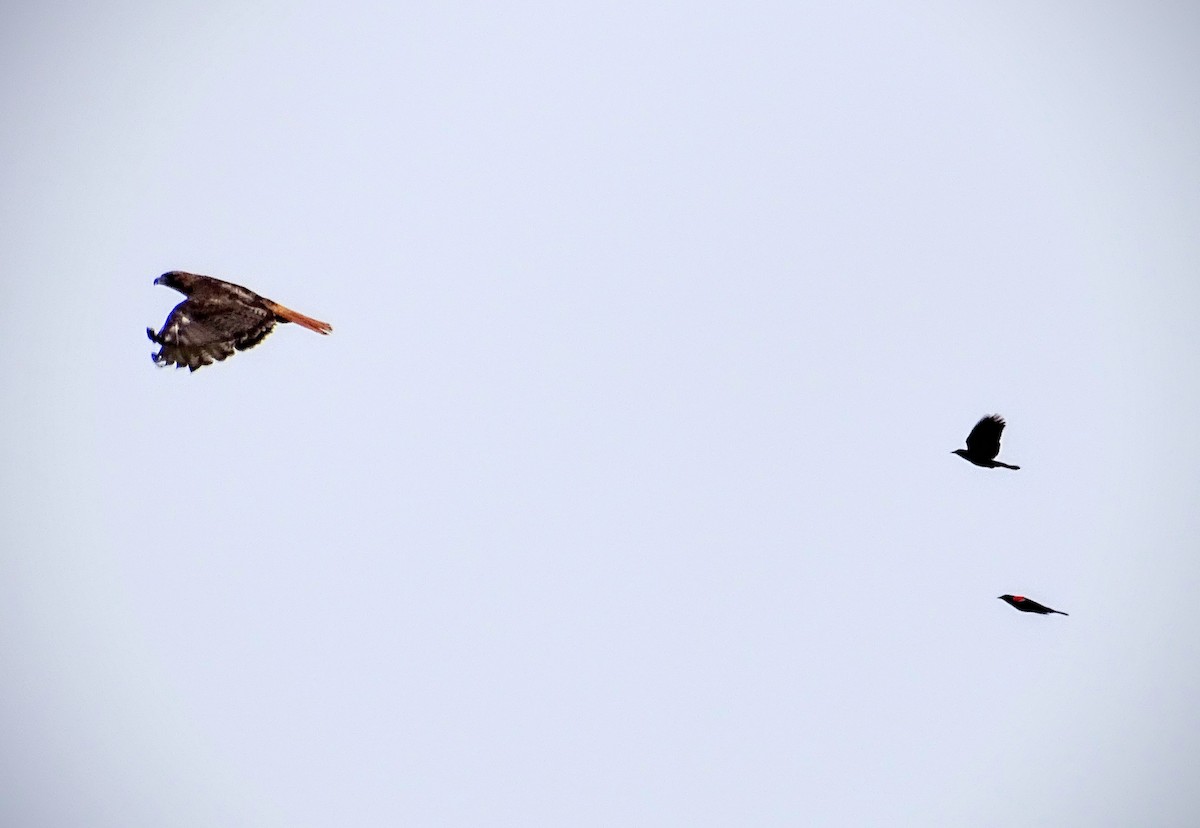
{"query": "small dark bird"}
(983, 443)
(1028, 605)
(216, 319)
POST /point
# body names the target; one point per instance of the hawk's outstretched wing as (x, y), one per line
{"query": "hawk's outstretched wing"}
(203, 330)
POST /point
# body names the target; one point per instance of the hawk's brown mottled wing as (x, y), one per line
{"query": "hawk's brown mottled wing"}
(209, 326)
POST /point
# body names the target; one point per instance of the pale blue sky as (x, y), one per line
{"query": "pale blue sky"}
(622, 493)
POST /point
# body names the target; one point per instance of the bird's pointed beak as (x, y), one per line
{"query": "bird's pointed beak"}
(159, 280)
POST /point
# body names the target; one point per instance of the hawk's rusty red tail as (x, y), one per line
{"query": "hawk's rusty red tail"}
(289, 315)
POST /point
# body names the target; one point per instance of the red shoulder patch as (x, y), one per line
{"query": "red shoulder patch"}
(1018, 597)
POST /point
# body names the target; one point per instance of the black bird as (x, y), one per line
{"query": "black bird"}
(1028, 605)
(983, 443)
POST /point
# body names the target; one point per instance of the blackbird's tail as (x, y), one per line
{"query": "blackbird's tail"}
(289, 315)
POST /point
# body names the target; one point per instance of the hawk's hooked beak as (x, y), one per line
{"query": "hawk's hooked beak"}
(159, 280)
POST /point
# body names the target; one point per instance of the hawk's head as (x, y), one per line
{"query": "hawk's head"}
(177, 280)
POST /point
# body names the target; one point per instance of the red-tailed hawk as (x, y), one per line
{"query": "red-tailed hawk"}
(216, 319)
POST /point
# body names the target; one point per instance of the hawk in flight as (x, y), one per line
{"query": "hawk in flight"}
(983, 443)
(216, 319)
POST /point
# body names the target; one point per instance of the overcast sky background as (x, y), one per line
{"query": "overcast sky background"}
(622, 493)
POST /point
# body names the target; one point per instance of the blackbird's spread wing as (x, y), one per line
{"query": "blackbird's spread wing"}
(208, 328)
(984, 440)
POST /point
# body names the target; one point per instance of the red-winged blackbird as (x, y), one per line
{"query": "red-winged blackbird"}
(983, 443)
(1029, 605)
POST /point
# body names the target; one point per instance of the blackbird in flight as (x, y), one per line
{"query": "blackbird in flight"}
(983, 443)
(1028, 605)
